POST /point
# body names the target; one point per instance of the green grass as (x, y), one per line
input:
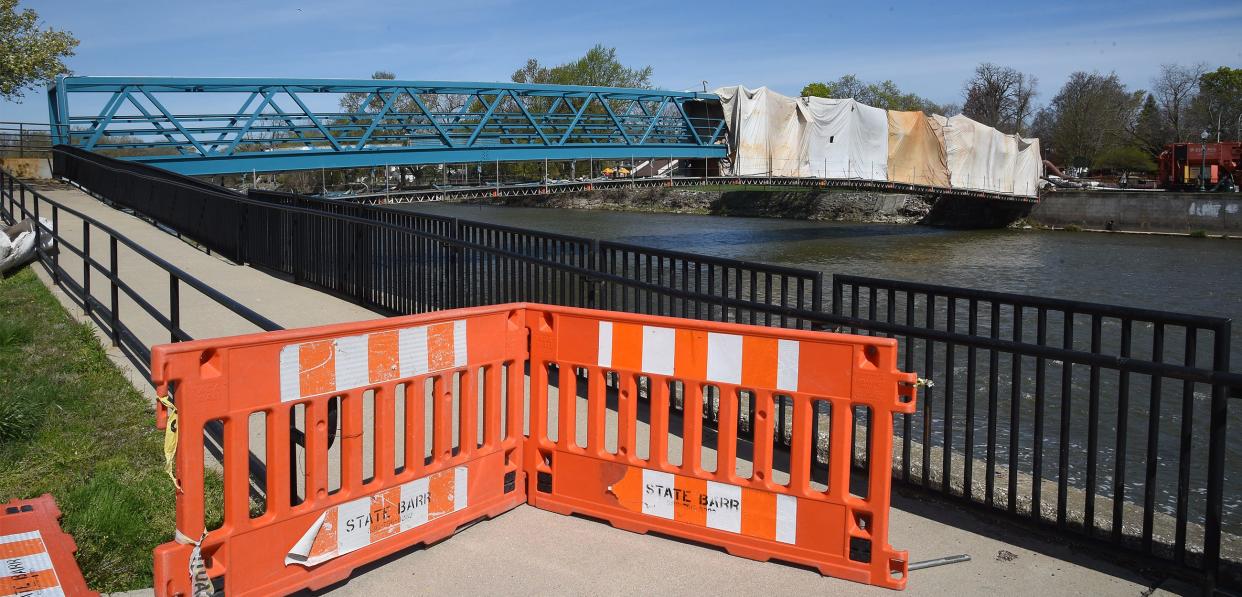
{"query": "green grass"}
(1198, 234)
(72, 426)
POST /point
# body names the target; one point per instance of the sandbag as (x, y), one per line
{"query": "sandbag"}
(17, 244)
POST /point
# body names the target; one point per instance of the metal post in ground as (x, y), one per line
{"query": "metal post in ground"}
(115, 316)
(86, 266)
(174, 306)
(56, 238)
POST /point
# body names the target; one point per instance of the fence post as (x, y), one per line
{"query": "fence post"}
(593, 264)
(86, 266)
(115, 319)
(1219, 409)
(56, 238)
(239, 255)
(837, 297)
(174, 306)
(817, 292)
(454, 275)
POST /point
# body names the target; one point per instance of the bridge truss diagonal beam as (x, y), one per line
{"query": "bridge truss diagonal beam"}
(193, 125)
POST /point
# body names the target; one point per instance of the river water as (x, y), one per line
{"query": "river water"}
(1197, 276)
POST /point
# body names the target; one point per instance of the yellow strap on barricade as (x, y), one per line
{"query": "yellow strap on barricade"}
(170, 440)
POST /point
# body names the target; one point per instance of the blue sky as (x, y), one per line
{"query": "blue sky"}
(926, 47)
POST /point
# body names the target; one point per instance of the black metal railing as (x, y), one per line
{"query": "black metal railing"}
(1108, 436)
(25, 139)
(19, 201)
(1114, 390)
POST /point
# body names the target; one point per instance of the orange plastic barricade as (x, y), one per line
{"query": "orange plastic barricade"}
(673, 489)
(268, 392)
(36, 557)
(273, 398)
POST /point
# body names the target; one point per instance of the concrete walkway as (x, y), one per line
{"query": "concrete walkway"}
(531, 552)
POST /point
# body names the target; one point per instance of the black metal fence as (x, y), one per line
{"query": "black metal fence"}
(24, 139)
(1085, 416)
(1107, 422)
(19, 201)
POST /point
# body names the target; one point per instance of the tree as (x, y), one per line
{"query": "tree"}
(1090, 114)
(1124, 159)
(816, 90)
(352, 102)
(398, 121)
(1219, 102)
(1175, 88)
(884, 95)
(29, 55)
(599, 67)
(1150, 132)
(1000, 97)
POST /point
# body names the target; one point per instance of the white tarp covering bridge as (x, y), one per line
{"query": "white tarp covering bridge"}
(775, 135)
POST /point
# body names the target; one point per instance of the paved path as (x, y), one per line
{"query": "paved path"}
(529, 551)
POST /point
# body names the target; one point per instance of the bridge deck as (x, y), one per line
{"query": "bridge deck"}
(535, 188)
(529, 551)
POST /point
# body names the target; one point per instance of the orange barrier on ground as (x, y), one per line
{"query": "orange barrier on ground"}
(432, 410)
(429, 473)
(36, 557)
(704, 491)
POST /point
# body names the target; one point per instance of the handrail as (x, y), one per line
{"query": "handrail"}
(224, 300)
(1103, 309)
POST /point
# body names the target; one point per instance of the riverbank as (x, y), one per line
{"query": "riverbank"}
(71, 425)
(835, 205)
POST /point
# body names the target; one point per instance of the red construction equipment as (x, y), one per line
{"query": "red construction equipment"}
(36, 557)
(1182, 165)
(431, 467)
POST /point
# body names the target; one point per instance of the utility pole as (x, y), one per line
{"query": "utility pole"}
(1203, 160)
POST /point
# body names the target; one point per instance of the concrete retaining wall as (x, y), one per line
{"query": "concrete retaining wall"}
(1214, 213)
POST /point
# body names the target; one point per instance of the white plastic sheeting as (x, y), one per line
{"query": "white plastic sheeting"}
(843, 139)
(765, 132)
(774, 135)
(978, 155)
(985, 159)
(1028, 169)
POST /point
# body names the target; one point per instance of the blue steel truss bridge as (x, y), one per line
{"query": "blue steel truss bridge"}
(209, 126)
(299, 124)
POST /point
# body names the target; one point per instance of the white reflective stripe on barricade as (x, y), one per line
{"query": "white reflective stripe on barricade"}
(356, 524)
(342, 364)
